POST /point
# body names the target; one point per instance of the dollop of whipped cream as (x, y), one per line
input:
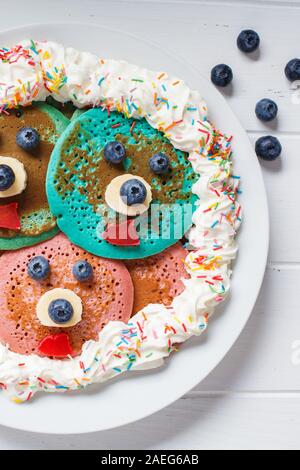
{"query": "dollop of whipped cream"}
(33, 70)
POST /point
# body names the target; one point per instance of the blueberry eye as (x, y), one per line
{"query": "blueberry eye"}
(28, 138)
(82, 271)
(114, 152)
(159, 163)
(7, 177)
(60, 310)
(38, 268)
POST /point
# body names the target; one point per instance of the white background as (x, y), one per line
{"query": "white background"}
(252, 400)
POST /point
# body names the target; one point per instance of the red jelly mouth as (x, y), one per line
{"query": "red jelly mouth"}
(123, 234)
(9, 216)
(56, 345)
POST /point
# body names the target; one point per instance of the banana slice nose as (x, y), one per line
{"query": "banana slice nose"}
(72, 300)
(114, 200)
(20, 181)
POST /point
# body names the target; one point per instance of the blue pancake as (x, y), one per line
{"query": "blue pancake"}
(78, 176)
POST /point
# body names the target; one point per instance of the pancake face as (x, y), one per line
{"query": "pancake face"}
(36, 220)
(158, 279)
(79, 176)
(107, 296)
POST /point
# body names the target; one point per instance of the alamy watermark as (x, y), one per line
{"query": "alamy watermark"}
(158, 222)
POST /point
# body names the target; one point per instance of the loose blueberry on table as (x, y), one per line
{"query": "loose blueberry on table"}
(268, 147)
(221, 75)
(266, 110)
(248, 41)
(292, 70)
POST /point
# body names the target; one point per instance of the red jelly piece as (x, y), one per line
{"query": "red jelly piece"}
(56, 345)
(123, 234)
(9, 216)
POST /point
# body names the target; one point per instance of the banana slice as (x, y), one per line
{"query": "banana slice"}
(54, 294)
(20, 182)
(114, 201)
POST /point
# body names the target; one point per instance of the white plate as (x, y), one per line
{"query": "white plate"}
(137, 395)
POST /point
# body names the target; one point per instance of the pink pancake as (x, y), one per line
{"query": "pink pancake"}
(109, 296)
(157, 279)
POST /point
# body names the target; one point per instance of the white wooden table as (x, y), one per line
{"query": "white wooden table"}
(252, 400)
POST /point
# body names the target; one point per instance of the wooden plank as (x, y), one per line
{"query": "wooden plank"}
(265, 356)
(270, 3)
(283, 191)
(205, 34)
(218, 422)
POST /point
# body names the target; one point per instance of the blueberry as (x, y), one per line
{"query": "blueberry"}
(133, 192)
(248, 41)
(7, 177)
(60, 310)
(82, 271)
(268, 147)
(28, 138)
(221, 75)
(38, 268)
(266, 110)
(292, 70)
(159, 163)
(114, 152)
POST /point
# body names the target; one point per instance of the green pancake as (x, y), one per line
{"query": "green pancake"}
(78, 176)
(37, 222)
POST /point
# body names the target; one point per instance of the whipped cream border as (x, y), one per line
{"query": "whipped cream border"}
(31, 71)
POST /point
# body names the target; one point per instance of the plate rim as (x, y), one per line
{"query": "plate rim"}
(264, 208)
